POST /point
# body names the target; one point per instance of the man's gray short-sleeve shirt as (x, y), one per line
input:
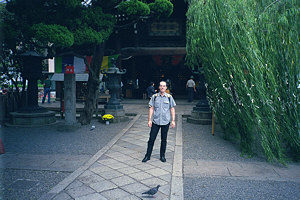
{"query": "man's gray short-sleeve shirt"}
(162, 105)
(190, 83)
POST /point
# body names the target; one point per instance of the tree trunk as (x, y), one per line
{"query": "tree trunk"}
(93, 85)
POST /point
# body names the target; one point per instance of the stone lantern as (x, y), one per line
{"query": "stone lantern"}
(113, 106)
(32, 71)
(201, 113)
(32, 114)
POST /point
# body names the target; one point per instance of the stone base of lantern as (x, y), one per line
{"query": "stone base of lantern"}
(201, 114)
(23, 119)
(119, 115)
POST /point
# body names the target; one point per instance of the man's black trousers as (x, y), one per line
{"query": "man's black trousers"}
(153, 133)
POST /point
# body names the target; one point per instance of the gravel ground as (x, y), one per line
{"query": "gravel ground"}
(48, 139)
(199, 144)
(32, 184)
(225, 188)
(27, 184)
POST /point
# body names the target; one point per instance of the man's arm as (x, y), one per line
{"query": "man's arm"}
(151, 109)
(173, 117)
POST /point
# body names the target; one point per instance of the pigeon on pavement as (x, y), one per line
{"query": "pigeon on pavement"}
(92, 128)
(152, 191)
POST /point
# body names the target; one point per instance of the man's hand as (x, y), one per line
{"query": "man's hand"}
(173, 124)
(150, 124)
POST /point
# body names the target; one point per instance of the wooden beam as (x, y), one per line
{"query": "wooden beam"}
(134, 51)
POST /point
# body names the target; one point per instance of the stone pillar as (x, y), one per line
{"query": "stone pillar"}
(70, 99)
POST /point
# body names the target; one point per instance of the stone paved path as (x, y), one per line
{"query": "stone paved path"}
(116, 171)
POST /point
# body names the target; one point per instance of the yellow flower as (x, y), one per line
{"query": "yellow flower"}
(107, 117)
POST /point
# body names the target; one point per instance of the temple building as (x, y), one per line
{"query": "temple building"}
(149, 49)
(153, 50)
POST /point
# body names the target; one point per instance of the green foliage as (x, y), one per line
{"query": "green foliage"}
(250, 53)
(134, 8)
(87, 36)
(161, 8)
(57, 34)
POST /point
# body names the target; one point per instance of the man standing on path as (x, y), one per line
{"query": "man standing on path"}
(161, 105)
(190, 85)
(47, 89)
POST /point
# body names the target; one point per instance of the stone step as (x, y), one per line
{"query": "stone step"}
(201, 115)
(201, 108)
(199, 121)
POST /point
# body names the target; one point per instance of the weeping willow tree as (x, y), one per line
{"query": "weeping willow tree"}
(249, 50)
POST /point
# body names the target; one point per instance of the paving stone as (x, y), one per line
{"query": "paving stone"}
(111, 174)
(127, 145)
(123, 158)
(95, 165)
(166, 177)
(128, 170)
(158, 163)
(62, 196)
(152, 182)
(104, 157)
(157, 172)
(144, 166)
(134, 162)
(117, 148)
(114, 154)
(100, 169)
(140, 176)
(165, 189)
(129, 152)
(115, 194)
(94, 196)
(131, 197)
(80, 191)
(74, 184)
(168, 168)
(252, 170)
(90, 179)
(118, 166)
(107, 162)
(157, 196)
(86, 173)
(140, 149)
(102, 186)
(135, 188)
(292, 171)
(123, 180)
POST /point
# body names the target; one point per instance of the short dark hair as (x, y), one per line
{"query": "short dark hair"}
(151, 83)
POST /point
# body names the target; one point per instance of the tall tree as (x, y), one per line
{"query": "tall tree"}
(250, 53)
(75, 27)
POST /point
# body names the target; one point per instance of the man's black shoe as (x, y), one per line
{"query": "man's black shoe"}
(163, 159)
(146, 159)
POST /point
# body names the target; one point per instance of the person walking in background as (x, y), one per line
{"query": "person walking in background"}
(150, 90)
(47, 89)
(161, 107)
(190, 85)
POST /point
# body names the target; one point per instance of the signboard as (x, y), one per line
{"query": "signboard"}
(76, 65)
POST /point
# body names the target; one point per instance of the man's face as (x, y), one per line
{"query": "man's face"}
(162, 87)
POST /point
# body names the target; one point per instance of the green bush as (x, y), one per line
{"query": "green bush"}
(53, 33)
(161, 8)
(134, 8)
(249, 50)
